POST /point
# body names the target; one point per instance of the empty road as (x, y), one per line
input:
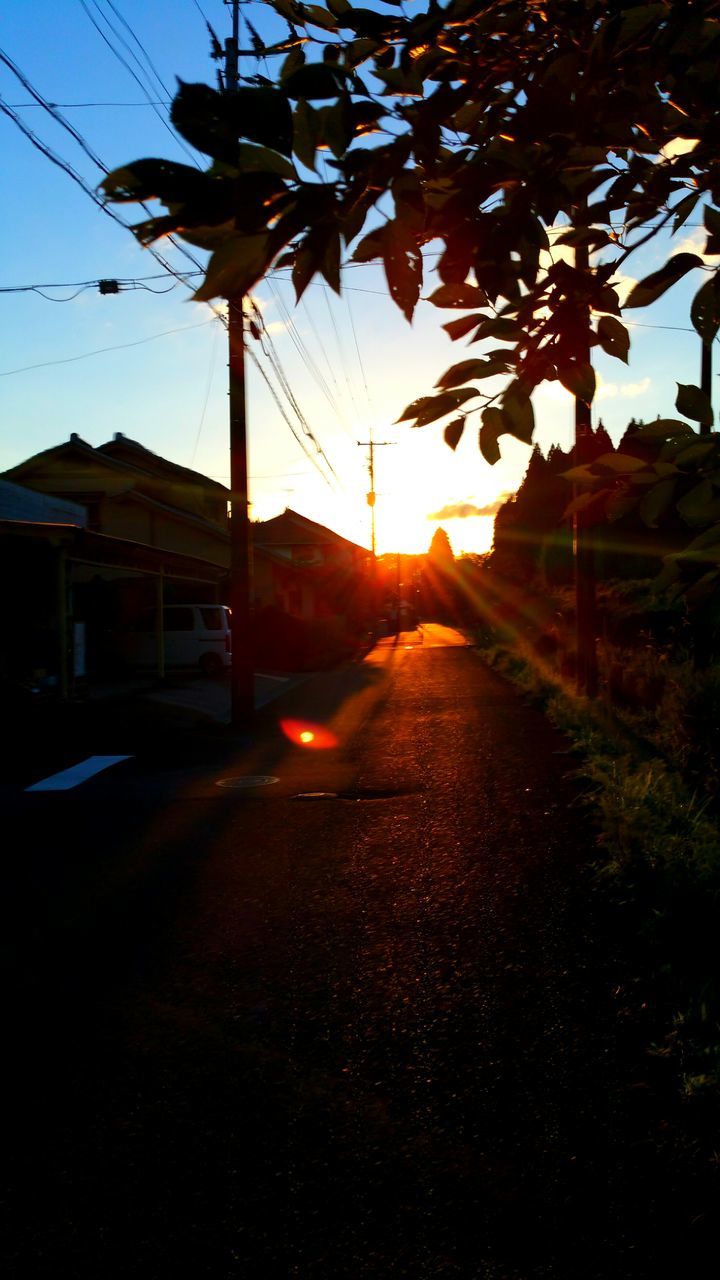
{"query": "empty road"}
(355, 1019)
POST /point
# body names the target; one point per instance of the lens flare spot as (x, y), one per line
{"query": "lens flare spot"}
(305, 734)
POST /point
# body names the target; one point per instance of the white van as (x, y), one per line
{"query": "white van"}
(195, 635)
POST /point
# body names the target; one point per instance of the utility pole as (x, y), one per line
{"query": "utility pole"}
(371, 445)
(706, 382)
(242, 678)
(585, 601)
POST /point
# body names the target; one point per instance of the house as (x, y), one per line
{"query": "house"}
(307, 570)
(93, 536)
(131, 493)
(90, 537)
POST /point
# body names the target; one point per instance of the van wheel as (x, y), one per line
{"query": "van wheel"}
(211, 664)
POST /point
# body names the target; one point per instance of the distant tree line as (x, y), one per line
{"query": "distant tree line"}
(533, 529)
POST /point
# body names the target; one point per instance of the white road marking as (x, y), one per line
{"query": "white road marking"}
(78, 773)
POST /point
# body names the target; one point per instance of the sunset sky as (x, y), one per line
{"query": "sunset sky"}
(152, 364)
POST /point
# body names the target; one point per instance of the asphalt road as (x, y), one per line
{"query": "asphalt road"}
(360, 1021)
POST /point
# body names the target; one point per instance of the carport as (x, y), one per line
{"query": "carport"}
(53, 573)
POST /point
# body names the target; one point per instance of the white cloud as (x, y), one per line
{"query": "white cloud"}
(623, 285)
(694, 242)
(626, 390)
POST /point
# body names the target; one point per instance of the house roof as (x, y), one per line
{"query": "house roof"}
(17, 502)
(291, 528)
(69, 448)
(121, 454)
(122, 448)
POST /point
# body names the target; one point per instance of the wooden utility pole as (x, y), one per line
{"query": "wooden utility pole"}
(585, 602)
(706, 382)
(371, 445)
(242, 677)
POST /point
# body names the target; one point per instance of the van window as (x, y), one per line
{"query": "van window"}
(179, 619)
(212, 618)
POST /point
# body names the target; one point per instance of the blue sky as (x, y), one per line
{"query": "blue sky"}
(353, 363)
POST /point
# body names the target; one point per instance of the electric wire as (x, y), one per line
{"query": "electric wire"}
(146, 56)
(136, 282)
(65, 165)
(341, 356)
(269, 351)
(359, 356)
(116, 52)
(121, 346)
(306, 355)
(208, 387)
(281, 409)
(322, 346)
(52, 110)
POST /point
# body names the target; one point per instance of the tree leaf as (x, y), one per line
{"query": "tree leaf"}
(705, 311)
(464, 324)
(656, 284)
(518, 413)
(370, 247)
(439, 406)
(578, 377)
(413, 409)
(252, 159)
(469, 369)
(458, 295)
(319, 17)
(429, 408)
(163, 180)
(656, 502)
(700, 507)
(235, 267)
(614, 337)
(403, 266)
(453, 432)
(618, 463)
(205, 119)
(315, 80)
(263, 115)
(306, 133)
(662, 429)
(693, 403)
(684, 208)
(620, 503)
(696, 452)
(493, 426)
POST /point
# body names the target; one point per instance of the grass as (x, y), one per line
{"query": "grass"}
(658, 844)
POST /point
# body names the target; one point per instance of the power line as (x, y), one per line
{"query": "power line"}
(52, 111)
(269, 351)
(116, 52)
(306, 355)
(67, 168)
(76, 106)
(121, 346)
(151, 65)
(281, 409)
(208, 386)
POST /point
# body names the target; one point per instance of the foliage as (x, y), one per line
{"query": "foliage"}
(658, 857)
(497, 123)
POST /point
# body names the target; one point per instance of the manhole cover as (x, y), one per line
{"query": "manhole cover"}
(258, 780)
(316, 795)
